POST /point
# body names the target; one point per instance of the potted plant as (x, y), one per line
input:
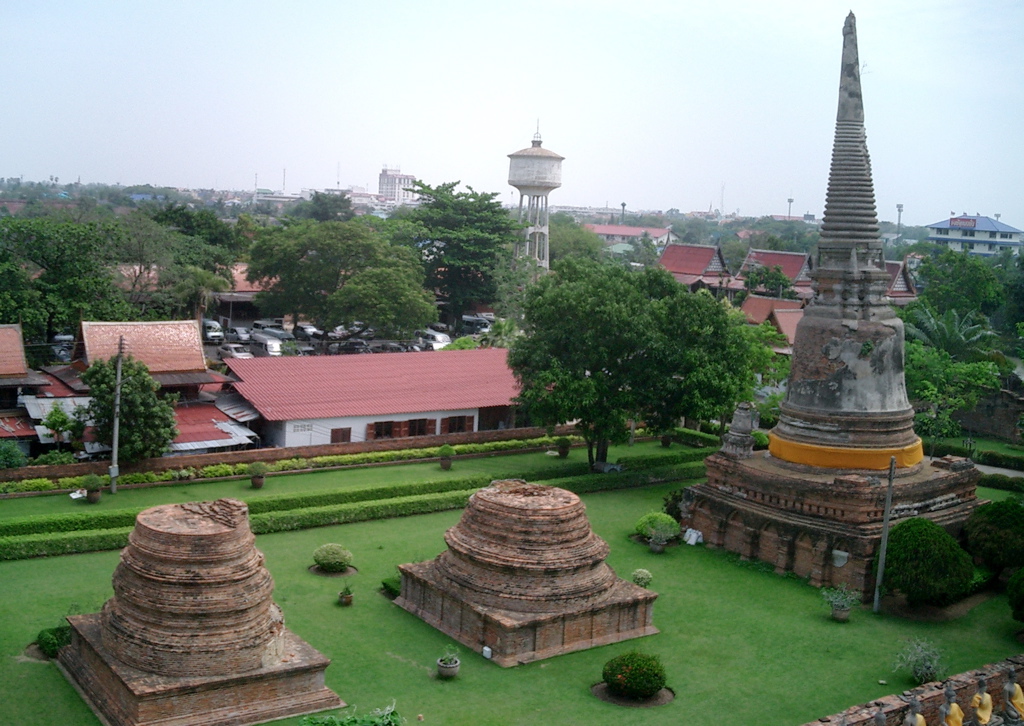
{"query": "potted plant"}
(448, 664)
(345, 596)
(840, 599)
(659, 533)
(666, 439)
(445, 453)
(93, 485)
(258, 473)
(563, 443)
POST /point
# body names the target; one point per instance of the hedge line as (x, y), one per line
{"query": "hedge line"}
(84, 532)
(668, 458)
(996, 458)
(1002, 481)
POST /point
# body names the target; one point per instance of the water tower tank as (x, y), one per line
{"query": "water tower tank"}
(535, 171)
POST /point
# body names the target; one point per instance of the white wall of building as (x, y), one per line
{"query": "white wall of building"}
(310, 432)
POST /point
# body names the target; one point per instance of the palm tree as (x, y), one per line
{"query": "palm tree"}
(501, 335)
(196, 287)
(966, 338)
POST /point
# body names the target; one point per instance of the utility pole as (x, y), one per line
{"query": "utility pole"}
(885, 536)
(117, 417)
(899, 222)
(790, 212)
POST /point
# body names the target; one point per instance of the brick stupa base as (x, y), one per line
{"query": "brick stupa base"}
(126, 696)
(192, 636)
(820, 524)
(525, 576)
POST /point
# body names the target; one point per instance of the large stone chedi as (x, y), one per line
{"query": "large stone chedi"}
(814, 504)
(525, 576)
(192, 635)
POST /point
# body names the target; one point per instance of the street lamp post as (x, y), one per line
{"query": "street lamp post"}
(790, 212)
(899, 222)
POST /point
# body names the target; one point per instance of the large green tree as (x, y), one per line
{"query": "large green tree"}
(569, 239)
(339, 273)
(465, 238)
(960, 281)
(147, 425)
(325, 208)
(605, 344)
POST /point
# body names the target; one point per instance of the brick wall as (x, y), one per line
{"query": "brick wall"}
(275, 454)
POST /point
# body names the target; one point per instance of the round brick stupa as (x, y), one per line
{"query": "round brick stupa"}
(191, 594)
(524, 577)
(192, 636)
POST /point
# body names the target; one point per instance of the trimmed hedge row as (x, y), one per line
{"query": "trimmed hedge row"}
(1003, 482)
(696, 438)
(62, 543)
(996, 458)
(679, 456)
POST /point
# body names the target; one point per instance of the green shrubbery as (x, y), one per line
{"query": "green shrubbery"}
(997, 458)
(656, 522)
(51, 640)
(1015, 594)
(634, 675)
(377, 717)
(51, 458)
(332, 557)
(926, 564)
(28, 485)
(995, 533)
(1003, 482)
(922, 659)
(11, 457)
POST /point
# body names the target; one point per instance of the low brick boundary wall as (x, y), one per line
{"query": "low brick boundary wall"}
(931, 697)
(276, 454)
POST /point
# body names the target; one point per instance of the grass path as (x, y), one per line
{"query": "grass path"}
(741, 646)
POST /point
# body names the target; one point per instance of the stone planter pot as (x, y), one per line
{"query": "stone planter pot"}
(656, 547)
(447, 670)
(257, 482)
(446, 462)
(344, 600)
(563, 452)
(840, 615)
(93, 496)
(666, 441)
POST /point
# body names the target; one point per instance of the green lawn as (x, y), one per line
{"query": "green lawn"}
(741, 646)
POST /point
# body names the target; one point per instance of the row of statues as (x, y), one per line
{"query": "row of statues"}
(981, 706)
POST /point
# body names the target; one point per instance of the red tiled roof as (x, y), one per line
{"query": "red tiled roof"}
(287, 388)
(688, 259)
(758, 308)
(792, 263)
(12, 351)
(16, 427)
(196, 422)
(165, 346)
(238, 281)
(901, 286)
(620, 230)
(786, 321)
(57, 387)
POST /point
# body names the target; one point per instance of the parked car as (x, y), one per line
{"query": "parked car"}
(212, 332)
(305, 350)
(307, 331)
(356, 329)
(431, 339)
(475, 325)
(268, 323)
(263, 346)
(348, 347)
(388, 346)
(279, 333)
(237, 334)
(233, 350)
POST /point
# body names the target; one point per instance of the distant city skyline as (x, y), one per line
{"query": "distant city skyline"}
(728, 105)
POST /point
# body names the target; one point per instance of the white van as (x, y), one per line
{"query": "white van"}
(431, 339)
(212, 332)
(264, 346)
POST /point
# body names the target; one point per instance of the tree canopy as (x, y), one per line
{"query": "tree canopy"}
(147, 420)
(464, 238)
(325, 208)
(604, 344)
(960, 281)
(338, 273)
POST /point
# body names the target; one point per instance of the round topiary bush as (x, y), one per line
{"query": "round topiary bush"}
(634, 675)
(1015, 594)
(995, 533)
(656, 521)
(642, 577)
(332, 558)
(926, 564)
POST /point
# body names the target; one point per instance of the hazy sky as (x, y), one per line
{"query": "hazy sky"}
(656, 103)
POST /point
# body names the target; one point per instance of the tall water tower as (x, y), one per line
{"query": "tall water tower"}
(535, 172)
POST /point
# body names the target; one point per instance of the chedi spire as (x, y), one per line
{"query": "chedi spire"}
(846, 405)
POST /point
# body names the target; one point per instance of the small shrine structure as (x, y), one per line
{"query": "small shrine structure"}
(524, 578)
(814, 503)
(192, 636)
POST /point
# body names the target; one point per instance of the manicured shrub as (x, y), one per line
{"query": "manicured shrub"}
(634, 675)
(445, 451)
(332, 557)
(1003, 482)
(28, 485)
(997, 458)
(922, 659)
(995, 533)
(1015, 594)
(11, 457)
(926, 564)
(215, 471)
(51, 458)
(141, 477)
(392, 586)
(696, 438)
(760, 440)
(657, 523)
(51, 640)
(387, 716)
(71, 482)
(641, 577)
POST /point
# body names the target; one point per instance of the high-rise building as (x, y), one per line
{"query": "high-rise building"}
(534, 171)
(394, 186)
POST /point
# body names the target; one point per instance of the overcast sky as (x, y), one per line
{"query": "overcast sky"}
(657, 103)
